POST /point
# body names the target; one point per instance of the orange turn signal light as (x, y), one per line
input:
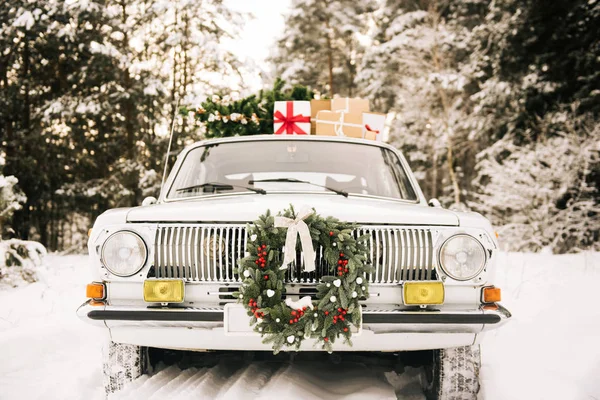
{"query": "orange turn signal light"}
(95, 291)
(491, 295)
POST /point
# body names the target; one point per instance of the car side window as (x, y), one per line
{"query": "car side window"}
(400, 175)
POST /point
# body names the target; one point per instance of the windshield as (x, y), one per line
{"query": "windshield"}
(278, 166)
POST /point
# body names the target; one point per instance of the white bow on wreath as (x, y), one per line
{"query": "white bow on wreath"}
(297, 227)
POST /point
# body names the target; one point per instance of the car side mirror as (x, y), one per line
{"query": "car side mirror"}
(435, 203)
(148, 201)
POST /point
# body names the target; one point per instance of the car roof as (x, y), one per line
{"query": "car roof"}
(314, 138)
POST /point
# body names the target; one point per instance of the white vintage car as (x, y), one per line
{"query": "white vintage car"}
(432, 287)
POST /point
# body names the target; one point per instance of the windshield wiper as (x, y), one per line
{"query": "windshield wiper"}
(221, 186)
(292, 180)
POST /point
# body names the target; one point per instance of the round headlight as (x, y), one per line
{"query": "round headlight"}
(462, 257)
(124, 253)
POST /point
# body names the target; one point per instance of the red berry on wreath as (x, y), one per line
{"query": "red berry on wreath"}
(256, 262)
(264, 246)
(345, 329)
(340, 273)
(266, 277)
(341, 254)
(326, 312)
(326, 339)
(339, 309)
(330, 233)
(293, 313)
(291, 321)
(295, 320)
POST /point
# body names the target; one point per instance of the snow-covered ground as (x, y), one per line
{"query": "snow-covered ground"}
(549, 351)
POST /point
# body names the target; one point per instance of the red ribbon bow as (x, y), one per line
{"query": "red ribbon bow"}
(371, 130)
(289, 121)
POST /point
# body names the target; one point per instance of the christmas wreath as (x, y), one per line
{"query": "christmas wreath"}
(272, 246)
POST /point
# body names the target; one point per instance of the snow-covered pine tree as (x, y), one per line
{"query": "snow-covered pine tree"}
(536, 65)
(18, 258)
(544, 194)
(51, 83)
(86, 88)
(321, 45)
(414, 69)
(11, 200)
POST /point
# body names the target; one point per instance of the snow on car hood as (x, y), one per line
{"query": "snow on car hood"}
(247, 207)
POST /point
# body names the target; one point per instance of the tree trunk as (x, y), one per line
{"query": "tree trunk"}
(329, 58)
(449, 132)
(129, 114)
(434, 175)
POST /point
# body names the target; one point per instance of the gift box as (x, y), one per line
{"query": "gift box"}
(315, 107)
(291, 118)
(339, 123)
(350, 105)
(373, 125)
(344, 119)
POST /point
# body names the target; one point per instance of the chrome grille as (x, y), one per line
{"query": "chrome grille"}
(208, 253)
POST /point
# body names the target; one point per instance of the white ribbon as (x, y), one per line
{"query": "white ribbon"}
(338, 124)
(306, 301)
(339, 127)
(297, 227)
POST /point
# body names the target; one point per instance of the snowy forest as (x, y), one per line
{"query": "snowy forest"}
(495, 103)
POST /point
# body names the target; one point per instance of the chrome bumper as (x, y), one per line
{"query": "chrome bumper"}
(202, 328)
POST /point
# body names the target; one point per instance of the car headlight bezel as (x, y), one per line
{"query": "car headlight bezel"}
(143, 252)
(446, 269)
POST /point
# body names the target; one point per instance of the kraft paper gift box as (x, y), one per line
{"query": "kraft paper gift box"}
(315, 107)
(373, 125)
(344, 119)
(350, 105)
(337, 123)
(291, 118)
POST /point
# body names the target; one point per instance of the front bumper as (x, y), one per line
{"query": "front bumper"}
(203, 328)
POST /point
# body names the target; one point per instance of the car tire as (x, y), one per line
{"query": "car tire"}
(452, 374)
(121, 364)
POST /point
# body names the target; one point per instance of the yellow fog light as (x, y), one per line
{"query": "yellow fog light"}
(420, 293)
(163, 291)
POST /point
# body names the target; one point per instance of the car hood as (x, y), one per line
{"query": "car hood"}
(247, 207)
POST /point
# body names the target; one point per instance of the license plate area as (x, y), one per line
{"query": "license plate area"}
(236, 322)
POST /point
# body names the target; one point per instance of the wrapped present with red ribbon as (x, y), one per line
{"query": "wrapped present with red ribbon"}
(373, 125)
(291, 118)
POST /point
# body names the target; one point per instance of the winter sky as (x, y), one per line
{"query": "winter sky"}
(260, 33)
